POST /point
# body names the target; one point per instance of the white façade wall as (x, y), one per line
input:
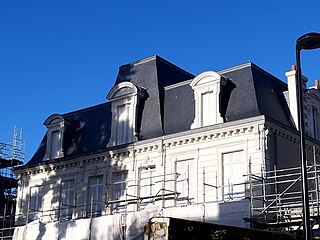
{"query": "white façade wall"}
(186, 169)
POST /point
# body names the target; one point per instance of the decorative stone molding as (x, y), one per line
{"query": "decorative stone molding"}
(209, 136)
(156, 146)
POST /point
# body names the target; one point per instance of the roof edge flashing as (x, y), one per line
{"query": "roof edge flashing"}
(135, 63)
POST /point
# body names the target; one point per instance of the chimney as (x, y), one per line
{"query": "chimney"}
(316, 85)
(293, 93)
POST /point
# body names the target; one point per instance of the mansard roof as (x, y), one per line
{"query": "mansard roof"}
(169, 107)
(256, 93)
(153, 74)
(88, 132)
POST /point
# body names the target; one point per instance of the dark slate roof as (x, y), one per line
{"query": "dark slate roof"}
(153, 74)
(169, 107)
(256, 93)
(87, 131)
(179, 108)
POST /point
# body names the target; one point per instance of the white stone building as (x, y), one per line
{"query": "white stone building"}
(167, 143)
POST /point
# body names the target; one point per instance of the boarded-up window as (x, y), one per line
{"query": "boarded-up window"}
(185, 181)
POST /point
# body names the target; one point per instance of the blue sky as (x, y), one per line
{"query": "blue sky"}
(59, 56)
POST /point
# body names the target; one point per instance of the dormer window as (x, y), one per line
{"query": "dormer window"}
(55, 124)
(125, 98)
(211, 94)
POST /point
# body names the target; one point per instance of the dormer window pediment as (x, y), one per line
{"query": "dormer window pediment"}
(122, 90)
(55, 125)
(207, 78)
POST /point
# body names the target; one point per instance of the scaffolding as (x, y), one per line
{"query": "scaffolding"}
(11, 155)
(274, 197)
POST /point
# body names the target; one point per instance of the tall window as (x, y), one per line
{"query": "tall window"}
(67, 198)
(233, 171)
(119, 185)
(54, 144)
(123, 125)
(186, 180)
(95, 195)
(147, 182)
(35, 204)
(207, 109)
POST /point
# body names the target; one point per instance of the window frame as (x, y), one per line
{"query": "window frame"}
(92, 208)
(70, 206)
(188, 197)
(220, 169)
(151, 185)
(123, 187)
(36, 212)
(55, 124)
(123, 135)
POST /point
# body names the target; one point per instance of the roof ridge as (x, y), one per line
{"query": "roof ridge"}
(151, 58)
(143, 60)
(234, 68)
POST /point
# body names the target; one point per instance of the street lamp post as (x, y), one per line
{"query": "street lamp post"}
(307, 42)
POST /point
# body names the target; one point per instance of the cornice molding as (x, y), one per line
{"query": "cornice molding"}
(291, 137)
(195, 136)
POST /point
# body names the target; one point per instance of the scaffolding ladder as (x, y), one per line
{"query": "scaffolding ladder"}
(11, 155)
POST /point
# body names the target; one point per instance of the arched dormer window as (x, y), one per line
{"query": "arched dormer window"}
(124, 99)
(211, 94)
(55, 124)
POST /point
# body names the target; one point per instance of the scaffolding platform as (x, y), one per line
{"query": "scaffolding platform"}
(5, 163)
(8, 182)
